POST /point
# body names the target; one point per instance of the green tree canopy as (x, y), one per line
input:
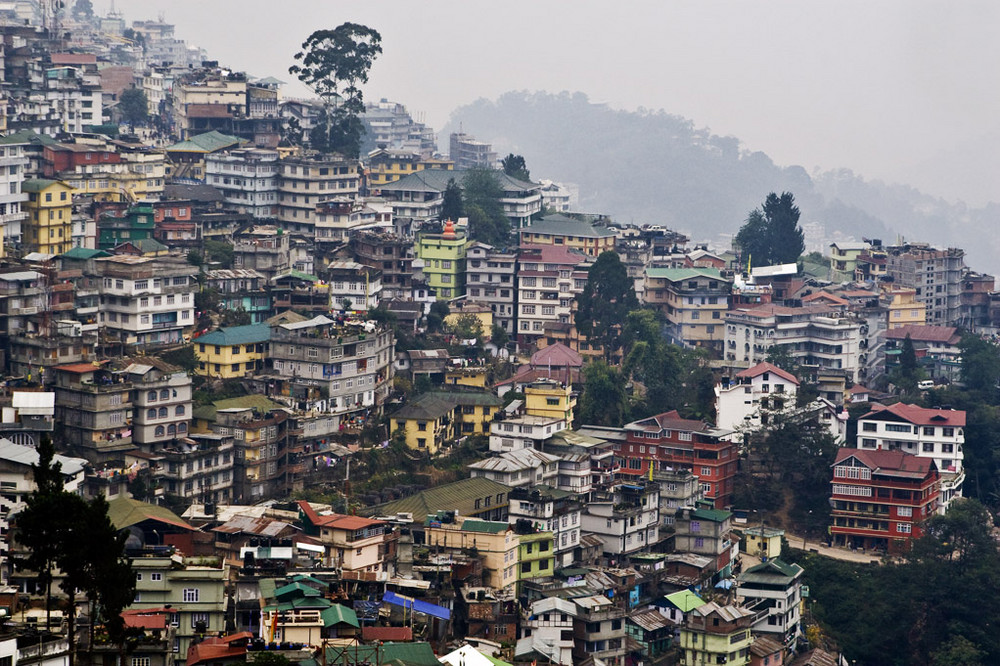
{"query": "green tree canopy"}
(134, 106)
(451, 205)
(980, 367)
(771, 234)
(334, 64)
(515, 167)
(605, 399)
(605, 301)
(482, 197)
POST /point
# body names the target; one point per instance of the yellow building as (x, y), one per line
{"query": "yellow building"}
(536, 556)
(434, 419)
(388, 166)
(763, 542)
(232, 352)
(482, 313)
(471, 376)
(904, 309)
(49, 227)
(494, 542)
(549, 399)
(556, 229)
(695, 302)
(714, 634)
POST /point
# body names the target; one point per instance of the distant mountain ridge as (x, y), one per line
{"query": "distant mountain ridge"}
(651, 167)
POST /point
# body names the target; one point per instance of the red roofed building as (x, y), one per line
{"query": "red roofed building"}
(880, 498)
(352, 543)
(935, 434)
(215, 651)
(668, 442)
(549, 278)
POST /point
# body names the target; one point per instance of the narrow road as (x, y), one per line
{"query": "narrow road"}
(801, 543)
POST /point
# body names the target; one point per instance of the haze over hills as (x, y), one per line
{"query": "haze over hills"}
(651, 167)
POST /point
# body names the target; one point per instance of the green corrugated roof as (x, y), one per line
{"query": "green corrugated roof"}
(297, 274)
(562, 225)
(337, 614)
(714, 515)
(678, 274)
(485, 526)
(297, 589)
(39, 184)
(468, 397)
(436, 180)
(84, 253)
(27, 136)
(406, 654)
(685, 600)
(459, 496)
(208, 142)
(236, 335)
(775, 566)
(425, 406)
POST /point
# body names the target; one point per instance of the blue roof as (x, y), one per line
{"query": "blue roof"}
(236, 335)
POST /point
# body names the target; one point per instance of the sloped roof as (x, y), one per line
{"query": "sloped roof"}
(253, 401)
(889, 463)
(28, 455)
(562, 225)
(459, 496)
(765, 646)
(125, 512)
(215, 649)
(713, 515)
(484, 526)
(922, 333)
(209, 142)
(917, 415)
(424, 406)
(681, 274)
(763, 367)
(650, 620)
(771, 571)
(39, 184)
(84, 253)
(556, 356)
(337, 614)
(237, 335)
(728, 613)
(436, 180)
(685, 600)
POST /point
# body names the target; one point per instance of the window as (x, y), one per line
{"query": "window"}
(156, 577)
(140, 661)
(928, 447)
(904, 528)
(699, 542)
(948, 432)
(869, 427)
(159, 432)
(191, 595)
(897, 427)
(199, 617)
(162, 413)
(904, 511)
(150, 413)
(928, 430)
(179, 410)
(696, 526)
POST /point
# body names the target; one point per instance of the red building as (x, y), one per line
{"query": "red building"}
(61, 157)
(667, 441)
(880, 498)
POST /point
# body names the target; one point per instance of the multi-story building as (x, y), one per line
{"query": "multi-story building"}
(337, 218)
(626, 518)
(208, 101)
(903, 308)
(74, 93)
(162, 401)
(342, 368)
(241, 289)
(936, 347)
(694, 301)
(548, 280)
(388, 125)
(14, 164)
(389, 253)
(389, 165)
(48, 228)
(844, 259)
(705, 531)
(467, 153)
(714, 634)
(194, 591)
(576, 234)
(232, 352)
(820, 336)
(535, 555)
(108, 172)
(434, 419)
(197, 468)
(490, 278)
(305, 181)
(666, 441)
(880, 498)
(773, 590)
(354, 287)
(495, 543)
(678, 488)
(145, 300)
(936, 434)
(523, 432)
(265, 249)
(553, 511)
(94, 407)
(599, 630)
(547, 398)
(935, 275)
(548, 631)
(753, 397)
(524, 467)
(264, 456)
(352, 543)
(444, 259)
(247, 178)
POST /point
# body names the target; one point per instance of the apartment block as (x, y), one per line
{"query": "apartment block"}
(549, 278)
(694, 301)
(491, 277)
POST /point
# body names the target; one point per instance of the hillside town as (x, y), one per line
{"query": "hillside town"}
(413, 406)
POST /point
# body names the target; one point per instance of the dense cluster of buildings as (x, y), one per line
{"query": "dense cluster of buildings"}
(148, 267)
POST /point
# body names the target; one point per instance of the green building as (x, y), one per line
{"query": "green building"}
(136, 224)
(536, 558)
(714, 634)
(443, 255)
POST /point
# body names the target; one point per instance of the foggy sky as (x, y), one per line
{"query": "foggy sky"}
(906, 90)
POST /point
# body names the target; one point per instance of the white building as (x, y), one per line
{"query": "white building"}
(747, 402)
(626, 519)
(163, 402)
(146, 300)
(548, 631)
(938, 434)
(524, 467)
(523, 432)
(353, 284)
(247, 178)
(491, 278)
(13, 163)
(817, 336)
(549, 510)
(774, 591)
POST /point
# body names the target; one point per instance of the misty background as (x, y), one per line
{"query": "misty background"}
(880, 117)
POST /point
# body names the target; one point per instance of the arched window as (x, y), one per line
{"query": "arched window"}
(164, 394)
(158, 432)
(151, 396)
(151, 414)
(179, 410)
(163, 412)
(171, 430)
(183, 427)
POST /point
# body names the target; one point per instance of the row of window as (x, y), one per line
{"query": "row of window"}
(930, 431)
